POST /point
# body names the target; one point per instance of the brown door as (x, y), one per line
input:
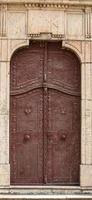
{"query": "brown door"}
(45, 115)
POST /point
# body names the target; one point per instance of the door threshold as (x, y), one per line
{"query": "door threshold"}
(45, 186)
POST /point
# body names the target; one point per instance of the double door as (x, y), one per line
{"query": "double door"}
(44, 115)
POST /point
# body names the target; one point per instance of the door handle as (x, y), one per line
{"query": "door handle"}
(26, 137)
(63, 136)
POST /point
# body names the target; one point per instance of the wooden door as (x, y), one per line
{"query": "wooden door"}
(45, 115)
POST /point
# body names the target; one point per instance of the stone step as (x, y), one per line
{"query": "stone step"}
(45, 193)
(45, 197)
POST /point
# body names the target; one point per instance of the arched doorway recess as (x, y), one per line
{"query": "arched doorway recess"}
(45, 116)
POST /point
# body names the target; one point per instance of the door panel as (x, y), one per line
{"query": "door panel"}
(63, 68)
(63, 138)
(45, 115)
(27, 67)
(27, 133)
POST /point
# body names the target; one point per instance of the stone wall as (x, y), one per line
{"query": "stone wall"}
(68, 21)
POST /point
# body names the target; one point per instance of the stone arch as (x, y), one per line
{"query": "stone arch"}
(17, 45)
(73, 48)
(66, 45)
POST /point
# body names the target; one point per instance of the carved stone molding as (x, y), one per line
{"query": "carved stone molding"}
(3, 10)
(88, 22)
(46, 36)
(46, 5)
(70, 2)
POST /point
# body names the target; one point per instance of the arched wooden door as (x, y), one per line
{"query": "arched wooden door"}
(45, 115)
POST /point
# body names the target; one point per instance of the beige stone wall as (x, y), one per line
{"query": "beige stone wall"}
(69, 22)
